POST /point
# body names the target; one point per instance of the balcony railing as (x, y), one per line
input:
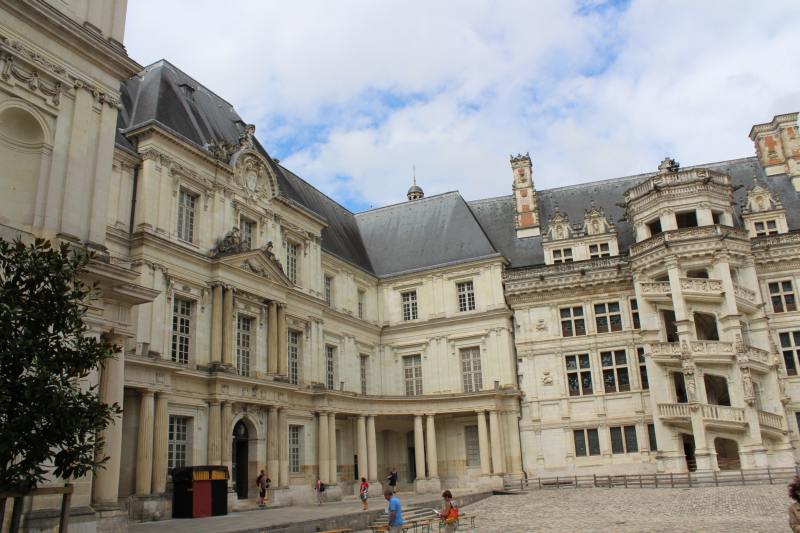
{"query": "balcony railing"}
(701, 348)
(701, 286)
(723, 413)
(656, 290)
(688, 234)
(744, 293)
(770, 420)
(674, 410)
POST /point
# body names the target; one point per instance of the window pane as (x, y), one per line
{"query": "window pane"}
(624, 380)
(574, 387)
(584, 359)
(630, 439)
(594, 442)
(580, 327)
(580, 443)
(651, 433)
(586, 381)
(572, 363)
(608, 381)
(605, 358)
(616, 441)
(577, 311)
(620, 358)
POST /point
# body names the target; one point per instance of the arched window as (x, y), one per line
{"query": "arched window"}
(22, 143)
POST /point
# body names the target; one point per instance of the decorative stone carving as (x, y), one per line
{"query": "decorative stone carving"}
(668, 165)
(759, 198)
(559, 227)
(595, 221)
(541, 325)
(221, 149)
(231, 243)
(547, 378)
(9, 69)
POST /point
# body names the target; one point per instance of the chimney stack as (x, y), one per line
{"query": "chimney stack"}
(778, 146)
(525, 200)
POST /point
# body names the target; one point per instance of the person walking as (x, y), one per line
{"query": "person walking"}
(320, 489)
(262, 482)
(395, 511)
(449, 513)
(794, 508)
(392, 477)
(363, 493)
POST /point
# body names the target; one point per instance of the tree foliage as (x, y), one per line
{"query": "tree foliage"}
(51, 419)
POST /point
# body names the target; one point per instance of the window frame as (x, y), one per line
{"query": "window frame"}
(292, 249)
(581, 372)
(363, 370)
(627, 441)
(328, 288)
(616, 370)
(247, 231)
(601, 250)
(565, 255)
(185, 229)
(412, 374)
(466, 296)
(644, 379)
(608, 316)
(471, 368)
(330, 367)
(181, 336)
(293, 355)
(790, 350)
(572, 320)
(588, 438)
(177, 449)
(244, 355)
(409, 309)
(781, 295)
(361, 295)
(633, 307)
(295, 449)
(765, 229)
(472, 446)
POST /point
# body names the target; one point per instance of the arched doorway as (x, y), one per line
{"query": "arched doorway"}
(240, 462)
(727, 454)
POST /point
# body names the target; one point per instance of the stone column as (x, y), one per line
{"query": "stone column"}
(512, 437)
(144, 451)
(226, 439)
(227, 327)
(497, 447)
(272, 339)
(372, 451)
(214, 433)
(273, 462)
(361, 436)
(106, 480)
(433, 464)
(282, 356)
(283, 448)
(483, 438)
(419, 447)
(160, 444)
(332, 448)
(216, 323)
(323, 458)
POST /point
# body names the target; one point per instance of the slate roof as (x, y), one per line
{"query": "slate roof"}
(420, 234)
(409, 236)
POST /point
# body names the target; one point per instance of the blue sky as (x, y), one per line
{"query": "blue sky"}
(351, 94)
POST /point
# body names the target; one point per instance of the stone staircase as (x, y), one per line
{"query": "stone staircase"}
(409, 515)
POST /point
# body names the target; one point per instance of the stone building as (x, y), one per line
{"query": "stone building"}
(641, 324)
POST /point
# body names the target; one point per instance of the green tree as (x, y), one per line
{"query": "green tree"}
(50, 419)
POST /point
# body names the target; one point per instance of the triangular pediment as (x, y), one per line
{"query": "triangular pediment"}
(261, 262)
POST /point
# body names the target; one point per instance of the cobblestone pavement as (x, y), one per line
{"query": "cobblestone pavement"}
(760, 508)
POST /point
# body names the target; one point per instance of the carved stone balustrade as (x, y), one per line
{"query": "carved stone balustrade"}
(656, 291)
(771, 422)
(701, 289)
(714, 416)
(687, 235)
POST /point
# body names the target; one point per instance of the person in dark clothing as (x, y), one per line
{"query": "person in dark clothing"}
(392, 477)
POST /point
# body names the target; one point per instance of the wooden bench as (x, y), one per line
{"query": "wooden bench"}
(417, 526)
(378, 529)
(343, 530)
(463, 517)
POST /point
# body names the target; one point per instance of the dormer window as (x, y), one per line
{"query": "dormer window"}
(563, 255)
(599, 250)
(767, 227)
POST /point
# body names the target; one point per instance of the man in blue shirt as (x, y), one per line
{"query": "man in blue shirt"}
(395, 511)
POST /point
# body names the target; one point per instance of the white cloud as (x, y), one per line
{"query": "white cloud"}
(353, 93)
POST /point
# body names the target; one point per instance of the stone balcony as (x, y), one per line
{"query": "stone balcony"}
(714, 416)
(745, 298)
(710, 352)
(670, 238)
(771, 423)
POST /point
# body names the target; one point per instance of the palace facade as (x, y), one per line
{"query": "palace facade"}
(634, 325)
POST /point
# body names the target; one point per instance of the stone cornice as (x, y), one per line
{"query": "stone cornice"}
(445, 321)
(673, 179)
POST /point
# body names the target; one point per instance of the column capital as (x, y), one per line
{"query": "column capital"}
(147, 392)
(214, 402)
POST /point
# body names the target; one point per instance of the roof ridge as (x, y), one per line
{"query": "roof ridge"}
(491, 198)
(458, 193)
(296, 175)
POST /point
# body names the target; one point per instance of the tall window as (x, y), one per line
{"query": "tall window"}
(782, 296)
(247, 229)
(790, 345)
(412, 370)
(295, 436)
(651, 437)
(623, 439)
(635, 313)
(472, 445)
(466, 296)
(330, 367)
(177, 442)
(471, 369)
(293, 356)
(615, 371)
(409, 305)
(579, 375)
(608, 317)
(362, 305)
(363, 372)
(572, 321)
(328, 289)
(768, 227)
(244, 327)
(186, 204)
(564, 255)
(291, 261)
(587, 442)
(599, 250)
(642, 368)
(181, 322)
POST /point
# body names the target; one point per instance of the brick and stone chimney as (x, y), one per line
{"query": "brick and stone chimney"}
(778, 146)
(525, 200)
